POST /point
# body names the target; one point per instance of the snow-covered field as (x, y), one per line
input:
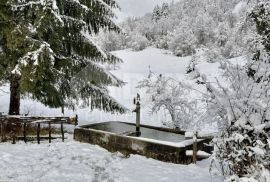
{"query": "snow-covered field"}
(73, 161)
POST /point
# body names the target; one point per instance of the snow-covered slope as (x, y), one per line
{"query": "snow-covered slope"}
(134, 68)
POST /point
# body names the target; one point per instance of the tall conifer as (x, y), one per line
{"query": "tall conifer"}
(46, 52)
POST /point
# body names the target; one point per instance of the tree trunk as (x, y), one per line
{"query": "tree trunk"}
(15, 99)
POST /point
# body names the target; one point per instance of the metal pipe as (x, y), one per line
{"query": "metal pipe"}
(138, 119)
(138, 114)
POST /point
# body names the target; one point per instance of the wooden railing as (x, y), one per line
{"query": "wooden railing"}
(24, 121)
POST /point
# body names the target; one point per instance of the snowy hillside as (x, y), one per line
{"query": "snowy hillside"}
(135, 67)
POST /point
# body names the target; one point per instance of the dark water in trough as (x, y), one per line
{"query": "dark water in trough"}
(123, 128)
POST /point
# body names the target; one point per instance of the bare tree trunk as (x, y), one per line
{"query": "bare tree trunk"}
(173, 116)
(15, 99)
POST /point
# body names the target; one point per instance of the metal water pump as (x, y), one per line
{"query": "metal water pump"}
(138, 114)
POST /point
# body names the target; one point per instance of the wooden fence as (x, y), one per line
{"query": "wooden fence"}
(24, 121)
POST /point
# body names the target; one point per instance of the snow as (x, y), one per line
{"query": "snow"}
(258, 151)
(199, 153)
(74, 161)
(190, 134)
(135, 68)
(239, 7)
(173, 144)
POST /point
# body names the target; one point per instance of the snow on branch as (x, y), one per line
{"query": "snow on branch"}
(80, 4)
(97, 72)
(34, 57)
(106, 5)
(92, 42)
(30, 3)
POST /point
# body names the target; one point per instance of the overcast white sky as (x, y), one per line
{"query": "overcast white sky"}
(137, 7)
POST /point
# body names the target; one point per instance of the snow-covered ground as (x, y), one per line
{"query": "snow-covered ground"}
(73, 161)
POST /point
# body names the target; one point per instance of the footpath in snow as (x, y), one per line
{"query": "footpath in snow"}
(73, 161)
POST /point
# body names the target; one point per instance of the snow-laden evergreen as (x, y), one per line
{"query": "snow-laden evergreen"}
(46, 51)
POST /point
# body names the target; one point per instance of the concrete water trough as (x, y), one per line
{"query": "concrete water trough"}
(154, 142)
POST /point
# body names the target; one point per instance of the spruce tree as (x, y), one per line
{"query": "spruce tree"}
(47, 54)
(156, 15)
(165, 10)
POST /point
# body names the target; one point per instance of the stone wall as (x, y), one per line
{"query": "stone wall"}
(129, 145)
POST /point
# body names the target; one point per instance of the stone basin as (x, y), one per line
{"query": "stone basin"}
(154, 142)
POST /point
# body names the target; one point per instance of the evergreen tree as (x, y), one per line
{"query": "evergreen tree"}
(156, 13)
(165, 10)
(47, 54)
(160, 12)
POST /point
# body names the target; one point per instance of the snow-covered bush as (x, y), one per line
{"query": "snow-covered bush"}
(243, 109)
(170, 95)
(243, 148)
(137, 42)
(203, 55)
(110, 41)
(181, 41)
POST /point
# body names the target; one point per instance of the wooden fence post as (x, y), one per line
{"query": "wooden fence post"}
(2, 131)
(50, 133)
(62, 131)
(24, 132)
(195, 147)
(76, 120)
(13, 137)
(38, 133)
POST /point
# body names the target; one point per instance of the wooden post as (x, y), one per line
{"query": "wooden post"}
(3, 128)
(13, 137)
(62, 131)
(50, 133)
(24, 132)
(76, 118)
(38, 133)
(2, 131)
(195, 147)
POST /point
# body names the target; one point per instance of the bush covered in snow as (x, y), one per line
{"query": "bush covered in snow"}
(137, 42)
(243, 109)
(167, 94)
